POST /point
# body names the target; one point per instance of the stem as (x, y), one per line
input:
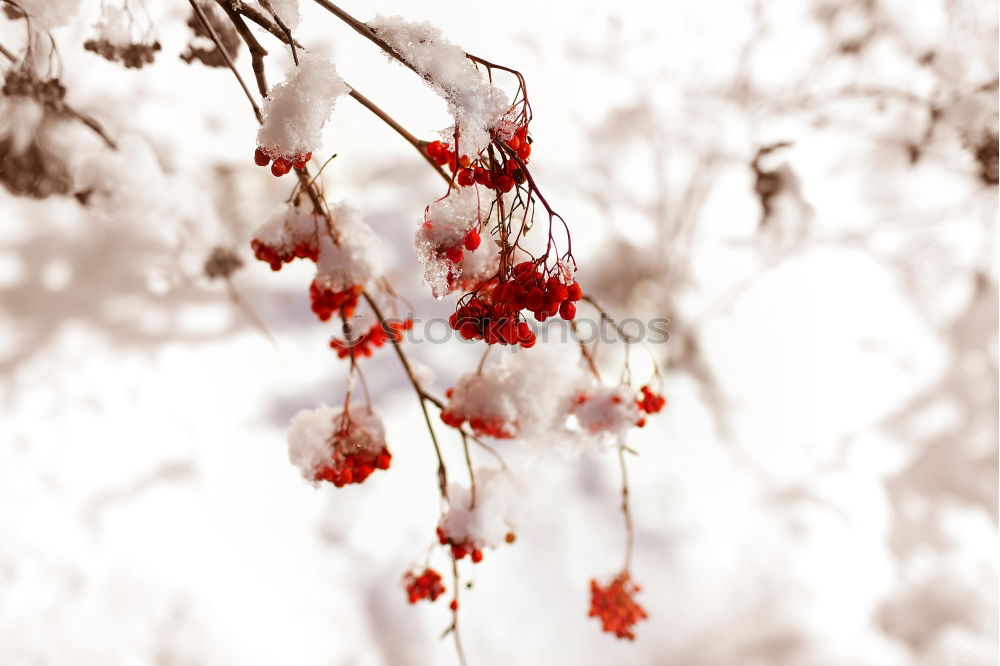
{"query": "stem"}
(472, 475)
(626, 511)
(257, 52)
(422, 396)
(454, 614)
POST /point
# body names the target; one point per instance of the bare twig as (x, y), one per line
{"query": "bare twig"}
(626, 510)
(218, 45)
(422, 396)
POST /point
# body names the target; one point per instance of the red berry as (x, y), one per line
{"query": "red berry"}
(506, 183)
(466, 177)
(280, 167)
(453, 605)
(454, 254)
(573, 291)
(472, 240)
(567, 310)
(260, 158)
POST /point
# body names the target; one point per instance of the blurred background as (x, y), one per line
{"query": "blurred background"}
(806, 189)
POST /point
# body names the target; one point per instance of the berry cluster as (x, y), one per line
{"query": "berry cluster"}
(476, 171)
(615, 606)
(480, 318)
(650, 402)
(133, 55)
(353, 467)
(276, 256)
(530, 290)
(425, 586)
(282, 163)
(493, 427)
(327, 301)
(375, 336)
(460, 548)
(354, 455)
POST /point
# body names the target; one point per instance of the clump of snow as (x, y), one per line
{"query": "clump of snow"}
(446, 223)
(357, 258)
(287, 228)
(476, 104)
(526, 395)
(480, 265)
(606, 411)
(313, 434)
(296, 109)
(497, 511)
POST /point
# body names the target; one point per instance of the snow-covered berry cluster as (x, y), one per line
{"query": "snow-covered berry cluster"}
(607, 410)
(341, 447)
(295, 112)
(345, 262)
(480, 170)
(282, 163)
(425, 585)
(615, 606)
(291, 234)
(487, 518)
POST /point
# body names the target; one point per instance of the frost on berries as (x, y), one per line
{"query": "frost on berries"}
(329, 444)
(295, 112)
(448, 244)
(425, 585)
(476, 104)
(615, 606)
(466, 529)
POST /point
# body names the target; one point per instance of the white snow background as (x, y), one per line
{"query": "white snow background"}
(821, 488)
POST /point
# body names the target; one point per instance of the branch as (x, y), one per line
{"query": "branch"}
(369, 34)
(402, 131)
(257, 52)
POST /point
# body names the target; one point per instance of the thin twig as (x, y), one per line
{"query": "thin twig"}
(626, 511)
(422, 396)
(229, 61)
(402, 131)
(257, 52)
(362, 29)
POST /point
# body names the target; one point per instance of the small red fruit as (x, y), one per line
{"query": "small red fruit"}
(472, 240)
